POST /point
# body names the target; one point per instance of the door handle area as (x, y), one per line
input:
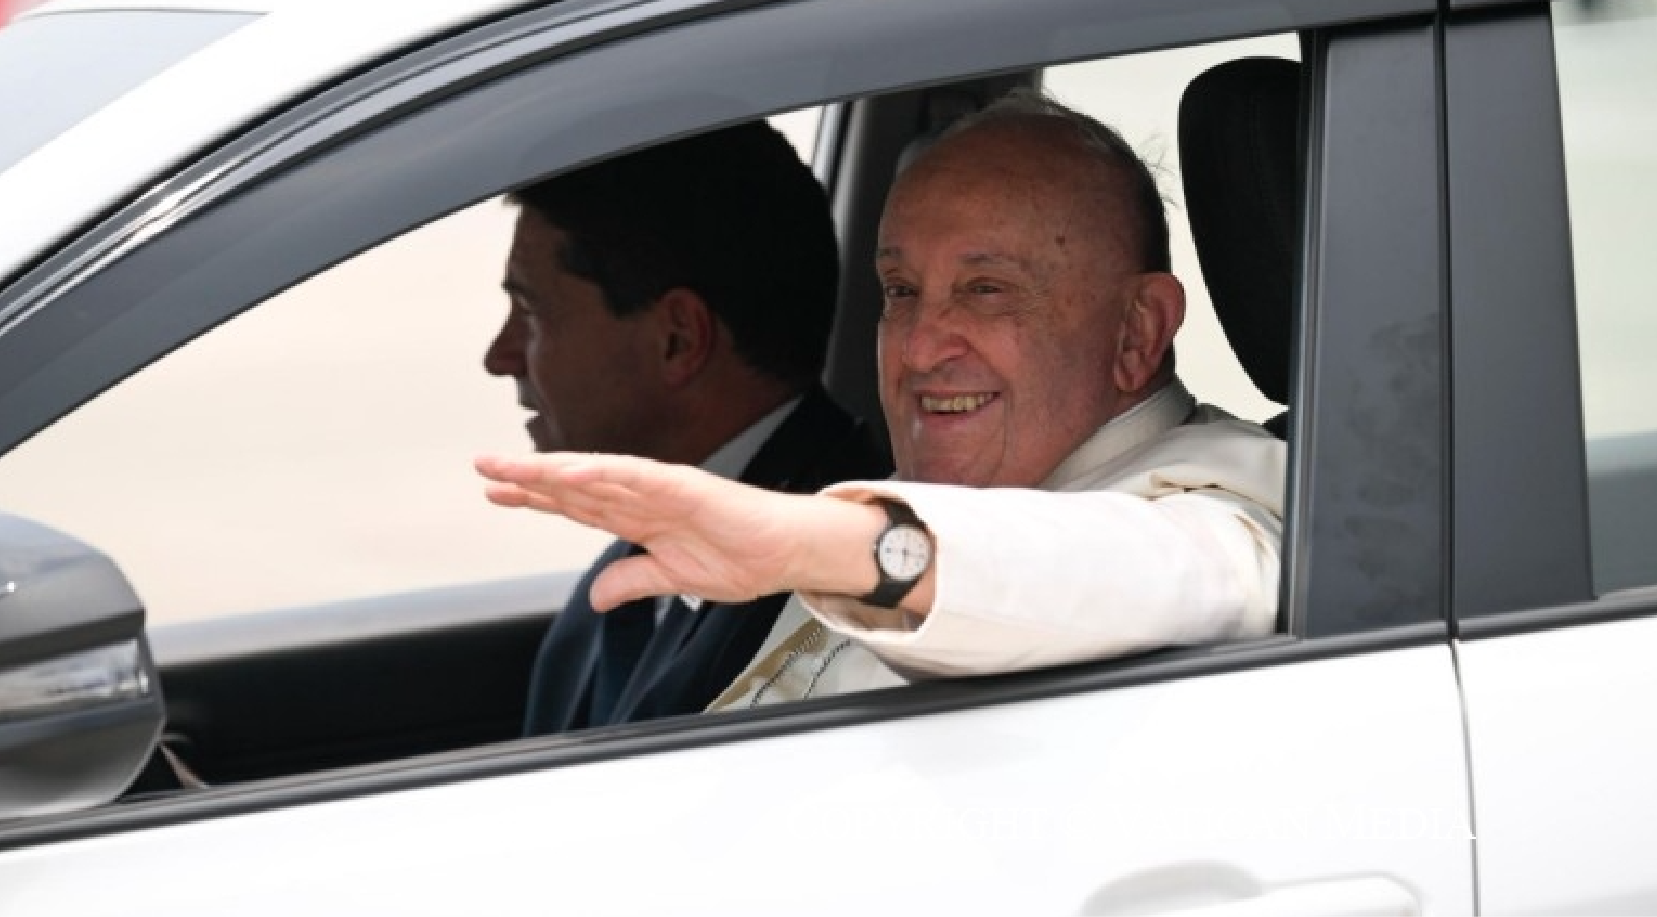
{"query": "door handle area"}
(1371, 896)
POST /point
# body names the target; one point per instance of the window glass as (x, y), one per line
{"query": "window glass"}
(317, 447)
(1608, 94)
(800, 127)
(1139, 96)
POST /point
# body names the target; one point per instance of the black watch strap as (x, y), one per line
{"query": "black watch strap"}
(892, 588)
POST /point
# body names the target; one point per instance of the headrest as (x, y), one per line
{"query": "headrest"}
(1239, 152)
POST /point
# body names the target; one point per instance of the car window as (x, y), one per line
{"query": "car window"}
(297, 433)
(269, 464)
(1608, 97)
(318, 447)
(87, 60)
(1148, 119)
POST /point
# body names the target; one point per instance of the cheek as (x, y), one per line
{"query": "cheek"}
(548, 367)
(888, 361)
(1053, 375)
(1011, 353)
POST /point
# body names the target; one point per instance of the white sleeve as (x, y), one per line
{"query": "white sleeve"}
(1030, 578)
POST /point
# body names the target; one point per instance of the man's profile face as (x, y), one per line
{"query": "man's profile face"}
(1004, 288)
(583, 371)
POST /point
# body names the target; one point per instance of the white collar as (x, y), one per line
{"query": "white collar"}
(729, 460)
(1140, 424)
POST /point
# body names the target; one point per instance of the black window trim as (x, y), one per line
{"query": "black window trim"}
(1523, 537)
(274, 161)
(1623, 605)
(1521, 532)
(1368, 448)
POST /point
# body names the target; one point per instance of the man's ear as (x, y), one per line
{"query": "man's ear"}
(1149, 324)
(687, 332)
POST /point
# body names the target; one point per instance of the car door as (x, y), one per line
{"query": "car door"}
(1556, 448)
(1320, 771)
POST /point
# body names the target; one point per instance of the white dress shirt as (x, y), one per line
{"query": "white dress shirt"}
(1162, 529)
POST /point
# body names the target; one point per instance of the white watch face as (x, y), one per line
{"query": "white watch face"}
(904, 552)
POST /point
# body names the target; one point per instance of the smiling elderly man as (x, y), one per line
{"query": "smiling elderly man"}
(1060, 496)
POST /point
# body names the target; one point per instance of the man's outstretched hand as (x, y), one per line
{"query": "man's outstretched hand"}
(706, 536)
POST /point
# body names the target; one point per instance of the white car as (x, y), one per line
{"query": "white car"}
(1423, 229)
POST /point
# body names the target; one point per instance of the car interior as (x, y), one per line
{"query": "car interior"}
(373, 680)
(366, 680)
(363, 681)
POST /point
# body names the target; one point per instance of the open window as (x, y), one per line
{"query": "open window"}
(366, 263)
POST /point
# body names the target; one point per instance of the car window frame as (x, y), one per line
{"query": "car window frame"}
(1367, 464)
(294, 156)
(1522, 558)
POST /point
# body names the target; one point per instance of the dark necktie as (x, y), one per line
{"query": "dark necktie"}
(623, 636)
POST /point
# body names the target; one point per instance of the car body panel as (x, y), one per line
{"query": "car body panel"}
(290, 50)
(1563, 746)
(1167, 795)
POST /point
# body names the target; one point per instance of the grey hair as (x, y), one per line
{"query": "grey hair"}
(1098, 139)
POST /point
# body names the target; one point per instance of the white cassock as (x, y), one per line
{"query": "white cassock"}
(1163, 529)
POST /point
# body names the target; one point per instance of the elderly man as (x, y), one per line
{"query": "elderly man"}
(674, 303)
(1059, 496)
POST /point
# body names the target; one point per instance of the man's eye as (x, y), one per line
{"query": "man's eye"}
(896, 298)
(983, 288)
(527, 311)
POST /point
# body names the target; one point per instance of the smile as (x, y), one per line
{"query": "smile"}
(955, 404)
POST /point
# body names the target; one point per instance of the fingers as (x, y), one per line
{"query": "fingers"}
(553, 483)
(552, 468)
(631, 578)
(559, 469)
(516, 497)
(566, 469)
(604, 506)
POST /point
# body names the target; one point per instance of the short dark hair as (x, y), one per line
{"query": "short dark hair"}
(732, 214)
(1103, 141)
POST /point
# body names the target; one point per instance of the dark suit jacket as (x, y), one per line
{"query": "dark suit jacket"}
(693, 656)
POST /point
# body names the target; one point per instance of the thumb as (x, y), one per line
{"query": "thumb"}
(627, 579)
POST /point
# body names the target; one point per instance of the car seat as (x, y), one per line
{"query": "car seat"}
(1240, 154)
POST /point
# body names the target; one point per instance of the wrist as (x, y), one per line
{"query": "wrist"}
(835, 555)
(902, 553)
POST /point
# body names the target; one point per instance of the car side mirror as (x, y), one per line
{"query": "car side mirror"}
(80, 704)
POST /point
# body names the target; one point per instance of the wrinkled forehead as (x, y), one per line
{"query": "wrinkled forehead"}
(1017, 185)
(1033, 148)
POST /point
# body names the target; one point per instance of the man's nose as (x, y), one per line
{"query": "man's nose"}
(505, 356)
(933, 337)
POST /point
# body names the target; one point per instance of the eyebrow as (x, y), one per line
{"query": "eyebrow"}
(986, 259)
(976, 259)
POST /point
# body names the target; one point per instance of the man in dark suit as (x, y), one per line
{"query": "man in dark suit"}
(676, 304)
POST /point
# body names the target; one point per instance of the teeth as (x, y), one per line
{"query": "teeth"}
(959, 404)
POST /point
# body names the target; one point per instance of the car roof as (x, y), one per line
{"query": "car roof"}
(286, 49)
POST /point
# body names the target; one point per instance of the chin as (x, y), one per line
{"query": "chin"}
(945, 473)
(542, 440)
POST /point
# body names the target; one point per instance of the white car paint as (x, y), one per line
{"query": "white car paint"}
(1333, 787)
(1564, 749)
(292, 48)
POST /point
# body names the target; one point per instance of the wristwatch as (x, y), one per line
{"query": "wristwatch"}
(903, 551)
